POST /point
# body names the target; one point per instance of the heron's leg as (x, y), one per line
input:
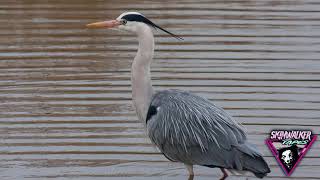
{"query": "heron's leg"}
(190, 170)
(225, 174)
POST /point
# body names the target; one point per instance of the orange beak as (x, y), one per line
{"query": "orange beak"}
(104, 24)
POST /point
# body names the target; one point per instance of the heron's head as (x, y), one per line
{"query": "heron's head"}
(129, 21)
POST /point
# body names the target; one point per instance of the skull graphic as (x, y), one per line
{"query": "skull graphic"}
(287, 156)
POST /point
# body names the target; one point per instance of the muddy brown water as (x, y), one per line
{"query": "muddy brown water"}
(65, 95)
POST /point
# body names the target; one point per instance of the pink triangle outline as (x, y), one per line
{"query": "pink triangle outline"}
(274, 152)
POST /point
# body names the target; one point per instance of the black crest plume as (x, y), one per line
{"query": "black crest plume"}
(141, 18)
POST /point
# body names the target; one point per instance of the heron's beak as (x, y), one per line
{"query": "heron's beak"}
(104, 24)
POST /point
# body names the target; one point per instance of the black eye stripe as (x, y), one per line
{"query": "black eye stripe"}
(138, 18)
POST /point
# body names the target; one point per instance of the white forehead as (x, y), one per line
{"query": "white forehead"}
(287, 152)
(126, 13)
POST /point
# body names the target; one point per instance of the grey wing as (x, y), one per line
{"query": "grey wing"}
(191, 129)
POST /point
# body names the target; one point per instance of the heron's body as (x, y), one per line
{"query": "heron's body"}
(185, 127)
(190, 129)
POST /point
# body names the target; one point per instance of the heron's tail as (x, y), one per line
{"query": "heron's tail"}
(253, 161)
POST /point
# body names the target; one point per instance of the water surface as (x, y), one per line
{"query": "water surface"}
(65, 94)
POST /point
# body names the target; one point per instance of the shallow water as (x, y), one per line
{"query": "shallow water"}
(65, 101)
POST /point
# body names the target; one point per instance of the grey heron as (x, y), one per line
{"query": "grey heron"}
(185, 127)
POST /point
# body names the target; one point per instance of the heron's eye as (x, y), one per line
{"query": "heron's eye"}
(123, 21)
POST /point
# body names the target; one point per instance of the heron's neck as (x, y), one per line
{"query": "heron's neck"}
(141, 80)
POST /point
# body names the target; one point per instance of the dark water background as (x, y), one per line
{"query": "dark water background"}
(65, 95)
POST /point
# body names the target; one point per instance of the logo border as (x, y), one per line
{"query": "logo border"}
(268, 142)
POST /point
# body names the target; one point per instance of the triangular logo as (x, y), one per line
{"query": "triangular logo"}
(289, 147)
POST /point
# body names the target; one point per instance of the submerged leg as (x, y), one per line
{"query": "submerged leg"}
(190, 177)
(190, 170)
(225, 174)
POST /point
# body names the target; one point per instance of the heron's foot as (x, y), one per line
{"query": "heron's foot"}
(225, 174)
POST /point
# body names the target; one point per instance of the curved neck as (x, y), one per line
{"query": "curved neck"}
(141, 80)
